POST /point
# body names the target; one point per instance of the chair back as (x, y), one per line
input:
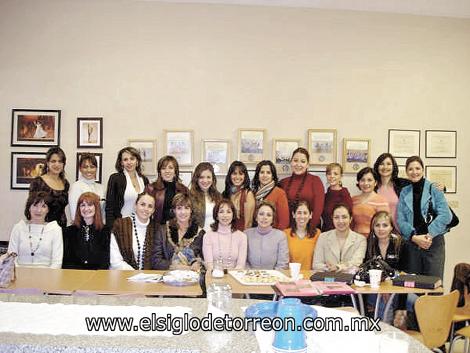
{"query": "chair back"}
(434, 314)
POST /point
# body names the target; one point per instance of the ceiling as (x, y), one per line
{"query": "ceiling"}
(445, 8)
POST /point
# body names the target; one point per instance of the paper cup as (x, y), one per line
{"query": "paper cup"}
(294, 268)
(375, 276)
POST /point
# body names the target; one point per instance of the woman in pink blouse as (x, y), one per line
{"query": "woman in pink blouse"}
(224, 245)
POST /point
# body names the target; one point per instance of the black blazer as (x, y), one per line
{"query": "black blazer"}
(115, 196)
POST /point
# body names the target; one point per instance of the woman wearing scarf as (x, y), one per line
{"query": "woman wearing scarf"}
(266, 189)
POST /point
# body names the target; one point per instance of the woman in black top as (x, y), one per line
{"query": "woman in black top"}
(86, 241)
(53, 182)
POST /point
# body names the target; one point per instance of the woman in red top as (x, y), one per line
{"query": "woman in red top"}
(264, 186)
(303, 186)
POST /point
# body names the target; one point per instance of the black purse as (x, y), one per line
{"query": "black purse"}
(431, 214)
(375, 263)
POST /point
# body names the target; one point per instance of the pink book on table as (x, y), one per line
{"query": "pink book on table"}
(333, 287)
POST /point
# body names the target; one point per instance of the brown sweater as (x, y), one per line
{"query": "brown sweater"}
(123, 233)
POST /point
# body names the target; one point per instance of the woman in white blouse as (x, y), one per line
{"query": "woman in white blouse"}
(132, 237)
(36, 241)
(125, 185)
(86, 183)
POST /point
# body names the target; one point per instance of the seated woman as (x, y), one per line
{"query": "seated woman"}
(36, 241)
(368, 202)
(301, 236)
(224, 244)
(86, 241)
(132, 237)
(339, 249)
(267, 247)
(382, 241)
(178, 243)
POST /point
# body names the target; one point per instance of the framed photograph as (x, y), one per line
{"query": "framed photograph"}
(446, 175)
(35, 128)
(251, 174)
(404, 143)
(89, 132)
(217, 153)
(251, 145)
(356, 154)
(185, 176)
(322, 146)
(441, 144)
(148, 152)
(179, 144)
(402, 172)
(282, 152)
(99, 170)
(25, 167)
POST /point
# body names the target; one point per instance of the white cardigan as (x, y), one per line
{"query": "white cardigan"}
(50, 251)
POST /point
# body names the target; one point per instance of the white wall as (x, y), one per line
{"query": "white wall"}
(147, 66)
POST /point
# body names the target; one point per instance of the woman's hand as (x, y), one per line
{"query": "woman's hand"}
(424, 241)
(331, 267)
(196, 266)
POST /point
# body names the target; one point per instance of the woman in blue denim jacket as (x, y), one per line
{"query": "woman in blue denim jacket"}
(426, 247)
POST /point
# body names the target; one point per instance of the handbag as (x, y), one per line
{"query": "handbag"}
(375, 263)
(7, 269)
(431, 214)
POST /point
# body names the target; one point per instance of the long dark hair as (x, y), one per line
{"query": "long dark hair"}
(311, 230)
(215, 214)
(60, 152)
(256, 183)
(372, 239)
(162, 163)
(135, 153)
(228, 179)
(379, 161)
(196, 191)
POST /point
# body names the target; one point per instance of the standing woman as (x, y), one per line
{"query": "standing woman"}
(265, 188)
(86, 183)
(224, 244)
(132, 238)
(125, 185)
(237, 189)
(339, 249)
(204, 194)
(267, 247)
(53, 182)
(368, 202)
(426, 246)
(36, 241)
(335, 195)
(167, 185)
(301, 236)
(304, 186)
(86, 241)
(178, 243)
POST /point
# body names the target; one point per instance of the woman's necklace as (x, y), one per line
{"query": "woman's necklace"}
(139, 257)
(296, 199)
(31, 240)
(86, 232)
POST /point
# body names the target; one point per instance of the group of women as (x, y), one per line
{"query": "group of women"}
(265, 223)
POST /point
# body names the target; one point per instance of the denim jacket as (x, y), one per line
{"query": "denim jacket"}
(405, 210)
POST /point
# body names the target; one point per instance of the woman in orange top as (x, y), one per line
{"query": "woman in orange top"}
(302, 237)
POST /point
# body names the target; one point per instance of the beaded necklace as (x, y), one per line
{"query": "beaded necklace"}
(296, 199)
(140, 259)
(31, 240)
(86, 232)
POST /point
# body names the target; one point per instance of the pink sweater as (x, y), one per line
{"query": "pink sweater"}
(225, 244)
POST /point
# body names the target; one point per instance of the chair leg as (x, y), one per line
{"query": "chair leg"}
(455, 339)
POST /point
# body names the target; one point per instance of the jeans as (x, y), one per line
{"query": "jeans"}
(427, 262)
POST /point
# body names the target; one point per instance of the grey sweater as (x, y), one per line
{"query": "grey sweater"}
(267, 251)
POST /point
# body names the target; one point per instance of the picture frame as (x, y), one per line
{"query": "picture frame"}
(441, 143)
(148, 152)
(89, 132)
(444, 174)
(356, 154)
(402, 171)
(282, 152)
(35, 127)
(251, 145)
(217, 153)
(322, 146)
(404, 143)
(99, 170)
(25, 166)
(179, 144)
(186, 176)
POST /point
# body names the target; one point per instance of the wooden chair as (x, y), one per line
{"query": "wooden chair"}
(462, 313)
(434, 314)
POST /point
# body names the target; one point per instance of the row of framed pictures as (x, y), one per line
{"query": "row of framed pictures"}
(438, 143)
(41, 128)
